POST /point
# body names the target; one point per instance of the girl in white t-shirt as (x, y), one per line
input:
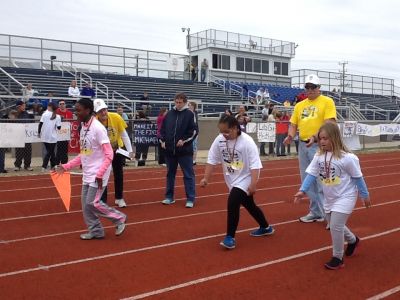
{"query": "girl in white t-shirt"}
(341, 178)
(241, 164)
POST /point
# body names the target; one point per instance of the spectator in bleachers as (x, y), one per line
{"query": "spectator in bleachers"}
(228, 112)
(49, 123)
(73, 90)
(24, 153)
(145, 104)
(62, 146)
(204, 68)
(242, 118)
(286, 103)
(245, 90)
(262, 95)
(28, 92)
(88, 91)
(124, 116)
(45, 102)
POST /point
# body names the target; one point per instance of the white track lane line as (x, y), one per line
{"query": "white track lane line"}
(246, 269)
(132, 223)
(5, 242)
(152, 202)
(385, 293)
(100, 257)
(178, 176)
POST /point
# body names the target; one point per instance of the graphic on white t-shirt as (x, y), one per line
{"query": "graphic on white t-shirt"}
(232, 158)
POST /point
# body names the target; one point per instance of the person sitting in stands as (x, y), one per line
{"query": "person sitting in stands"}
(145, 104)
(73, 90)
(88, 91)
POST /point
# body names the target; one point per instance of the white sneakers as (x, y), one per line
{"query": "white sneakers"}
(120, 202)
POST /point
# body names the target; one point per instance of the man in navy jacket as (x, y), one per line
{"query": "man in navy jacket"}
(177, 133)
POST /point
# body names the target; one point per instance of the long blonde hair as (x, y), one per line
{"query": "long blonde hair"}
(333, 132)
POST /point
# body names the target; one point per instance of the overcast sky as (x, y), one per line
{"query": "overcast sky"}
(363, 32)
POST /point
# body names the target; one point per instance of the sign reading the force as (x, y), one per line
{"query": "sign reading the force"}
(145, 132)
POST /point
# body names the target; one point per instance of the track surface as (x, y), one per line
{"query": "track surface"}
(170, 252)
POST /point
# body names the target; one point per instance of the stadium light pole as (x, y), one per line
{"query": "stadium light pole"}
(187, 29)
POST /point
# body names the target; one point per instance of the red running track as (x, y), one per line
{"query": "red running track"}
(170, 252)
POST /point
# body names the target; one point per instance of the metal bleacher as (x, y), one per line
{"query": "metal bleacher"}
(130, 87)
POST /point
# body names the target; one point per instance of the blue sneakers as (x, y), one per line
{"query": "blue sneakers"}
(263, 231)
(168, 201)
(228, 242)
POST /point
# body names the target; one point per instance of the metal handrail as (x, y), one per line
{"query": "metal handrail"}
(12, 78)
(82, 79)
(100, 90)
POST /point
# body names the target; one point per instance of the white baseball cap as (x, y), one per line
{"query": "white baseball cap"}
(98, 105)
(313, 79)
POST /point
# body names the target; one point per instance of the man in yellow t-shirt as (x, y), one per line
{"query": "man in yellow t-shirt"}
(308, 116)
(116, 130)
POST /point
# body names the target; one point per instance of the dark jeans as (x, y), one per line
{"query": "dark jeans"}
(62, 152)
(141, 151)
(2, 158)
(50, 155)
(236, 198)
(186, 164)
(161, 155)
(118, 171)
(280, 146)
(270, 148)
(23, 154)
(262, 148)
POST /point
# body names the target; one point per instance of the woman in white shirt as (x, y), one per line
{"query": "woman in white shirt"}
(73, 90)
(241, 167)
(50, 122)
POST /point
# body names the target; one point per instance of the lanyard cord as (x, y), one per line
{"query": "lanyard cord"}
(231, 156)
(328, 166)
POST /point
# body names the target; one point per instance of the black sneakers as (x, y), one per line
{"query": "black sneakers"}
(334, 264)
(351, 247)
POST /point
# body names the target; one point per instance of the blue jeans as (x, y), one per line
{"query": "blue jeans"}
(186, 164)
(315, 194)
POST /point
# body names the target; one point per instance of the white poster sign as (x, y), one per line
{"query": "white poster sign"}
(349, 128)
(251, 127)
(266, 132)
(12, 135)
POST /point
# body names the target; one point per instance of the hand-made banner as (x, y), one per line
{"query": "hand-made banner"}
(145, 132)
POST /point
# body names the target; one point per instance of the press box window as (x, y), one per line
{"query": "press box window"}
(221, 62)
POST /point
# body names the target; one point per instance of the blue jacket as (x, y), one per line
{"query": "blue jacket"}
(178, 125)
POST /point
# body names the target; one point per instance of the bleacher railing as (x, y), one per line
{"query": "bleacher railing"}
(31, 52)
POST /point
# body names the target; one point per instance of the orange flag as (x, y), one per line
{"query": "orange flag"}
(62, 182)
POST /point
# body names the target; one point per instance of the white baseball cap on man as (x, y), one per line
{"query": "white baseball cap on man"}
(313, 79)
(99, 104)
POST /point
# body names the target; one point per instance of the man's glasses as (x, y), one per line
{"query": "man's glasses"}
(310, 87)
